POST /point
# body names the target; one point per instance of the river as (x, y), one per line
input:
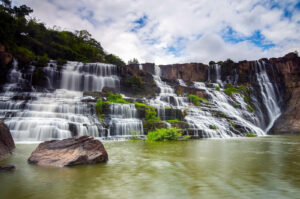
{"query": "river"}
(262, 167)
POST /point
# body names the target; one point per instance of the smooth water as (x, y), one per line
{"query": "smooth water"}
(263, 167)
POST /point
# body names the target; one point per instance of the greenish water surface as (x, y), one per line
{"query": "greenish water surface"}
(264, 167)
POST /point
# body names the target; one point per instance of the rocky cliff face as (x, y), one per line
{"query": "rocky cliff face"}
(284, 71)
(6, 142)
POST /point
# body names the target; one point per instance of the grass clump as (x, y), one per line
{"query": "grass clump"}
(116, 98)
(197, 100)
(165, 134)
(233, 124)
(213, 127)
(250, 108)
(250, 134)
(151, 115)
(230, 90)
(218, 88)
(99, 109)
(173, 121)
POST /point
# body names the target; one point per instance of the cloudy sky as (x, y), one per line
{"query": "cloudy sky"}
(177, 31)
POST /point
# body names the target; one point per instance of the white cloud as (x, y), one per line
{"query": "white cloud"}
(199, 24)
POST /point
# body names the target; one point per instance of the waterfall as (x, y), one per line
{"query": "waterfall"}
(124, 120)
(167, 96)
(51, 115)
(214, 74)
(221, 113)
(62, 113)
(268, 92)
(78, 76)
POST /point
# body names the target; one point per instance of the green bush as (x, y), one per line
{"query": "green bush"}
(116, 98)
(211, 63)
(213, 127)
(24, 55)
(218, 88)
(151, 115)
(135, 82)
(196, 100)
(173, 121)
(42, 60)
(233, 124)
(250, 108)
(98, 106)
(250, 134)
(60, 63)
(164, 134)
(230, 90)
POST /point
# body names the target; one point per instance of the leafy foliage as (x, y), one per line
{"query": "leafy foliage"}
(133, 61)
(135, 82)
(116, 98)
(196, 100)
(213, 127)
(151, 115)
(164, 134)
(250, 134)
(173, 121)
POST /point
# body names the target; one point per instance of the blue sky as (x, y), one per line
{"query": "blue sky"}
(176, 31)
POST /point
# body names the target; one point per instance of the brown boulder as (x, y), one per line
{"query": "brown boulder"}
(69, 152)
(6, 141)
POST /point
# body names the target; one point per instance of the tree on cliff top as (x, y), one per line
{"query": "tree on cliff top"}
(22, 35)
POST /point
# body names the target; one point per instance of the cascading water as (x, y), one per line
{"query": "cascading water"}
(61, 111)
(37, 116)
(89, 77)
(214, 74)
(268, 92)
(124, 121)
(167, 96)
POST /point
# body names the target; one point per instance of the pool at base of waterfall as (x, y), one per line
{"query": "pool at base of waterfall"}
(261, 167)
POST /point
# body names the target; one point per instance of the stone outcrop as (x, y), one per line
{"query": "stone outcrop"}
(6, 141)
(69, 152)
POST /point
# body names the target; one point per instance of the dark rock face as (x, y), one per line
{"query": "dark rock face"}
(69, 152)
(6, 141)
(186, 72)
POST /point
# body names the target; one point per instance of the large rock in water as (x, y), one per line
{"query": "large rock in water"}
(69, 152)
(6, 141)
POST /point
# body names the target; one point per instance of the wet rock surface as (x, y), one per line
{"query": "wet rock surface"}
(69, 152)
(6, 141)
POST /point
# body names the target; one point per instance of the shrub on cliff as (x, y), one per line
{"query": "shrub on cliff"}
(116, 98)
(151, 115)
(196, 100)
(135, 82)
(164, 134)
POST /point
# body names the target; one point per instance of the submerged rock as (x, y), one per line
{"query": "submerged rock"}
(6, 141)
(7, 168)
(69, 152)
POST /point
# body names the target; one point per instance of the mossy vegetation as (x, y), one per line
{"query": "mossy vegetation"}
(174, 121)
(116, 98)
(213, 127)
(197, 100)
(250, 134)
(165, 134)
(151, 115)
(218, 88)
(250, 108)
(135, 82)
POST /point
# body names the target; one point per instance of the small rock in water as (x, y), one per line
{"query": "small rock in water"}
(69, 152)
(7, 168)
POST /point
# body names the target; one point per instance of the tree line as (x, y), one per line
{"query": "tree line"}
(30, 40)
